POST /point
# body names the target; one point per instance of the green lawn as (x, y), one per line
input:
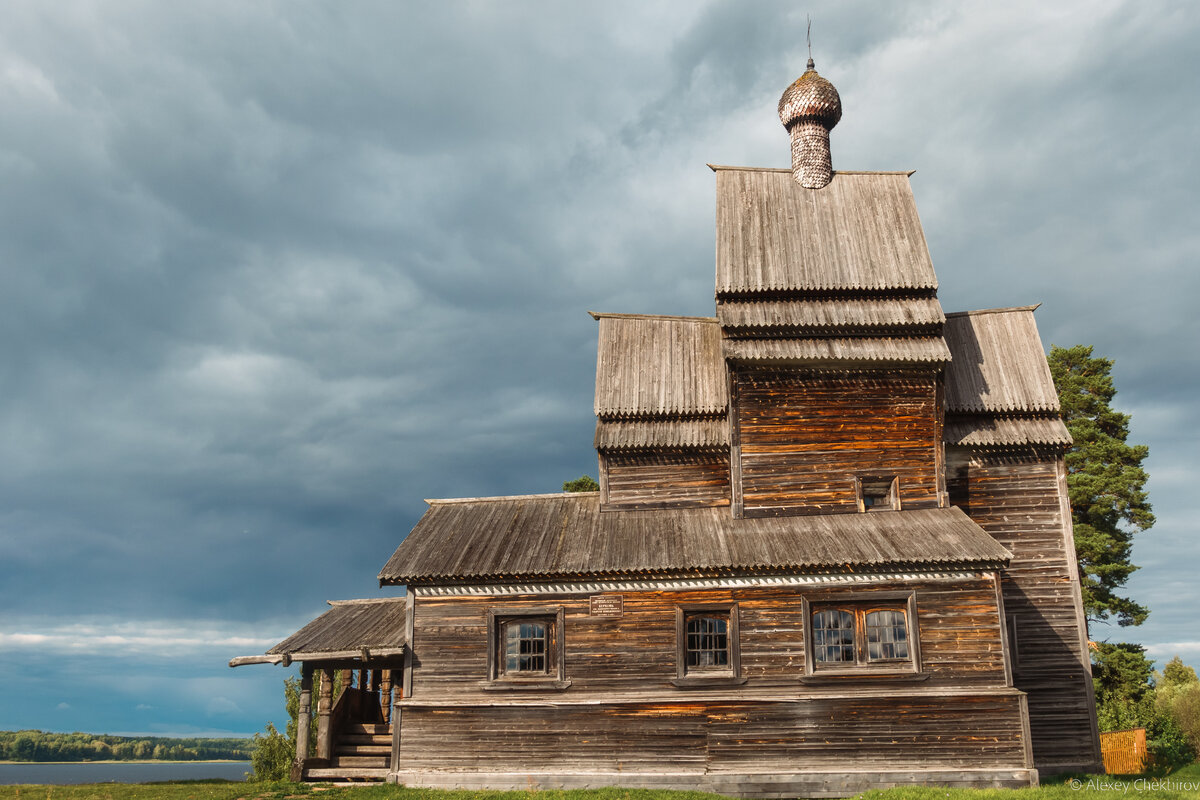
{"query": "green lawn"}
(1183, 783)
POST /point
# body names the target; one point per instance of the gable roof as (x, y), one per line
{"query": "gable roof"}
(861, 232)
(659, 366)
(998, 363)
(564, 536)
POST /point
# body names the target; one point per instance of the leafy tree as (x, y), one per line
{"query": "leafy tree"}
(584, 483)
(274, 751)
(1105, 481)
(1178, 696)
(272, 756)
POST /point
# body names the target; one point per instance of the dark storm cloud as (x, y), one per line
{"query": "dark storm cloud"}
(271, 275)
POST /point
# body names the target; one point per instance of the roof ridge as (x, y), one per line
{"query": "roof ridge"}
(788, 170)
(366, 601)
(1008, 310)
(598, 315)
(500, 498)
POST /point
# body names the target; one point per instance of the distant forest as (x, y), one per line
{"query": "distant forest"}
(43, 746)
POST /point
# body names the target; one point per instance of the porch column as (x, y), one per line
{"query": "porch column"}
(324, 707)
(385, 694)
(303, 722)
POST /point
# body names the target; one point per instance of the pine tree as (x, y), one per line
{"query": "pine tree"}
(584, 483)
(1105, 481)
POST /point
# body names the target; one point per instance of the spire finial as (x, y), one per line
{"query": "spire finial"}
(811, 65)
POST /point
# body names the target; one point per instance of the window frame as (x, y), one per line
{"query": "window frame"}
(555, 675)
(702, 677)
(893, 496)
(860, 604)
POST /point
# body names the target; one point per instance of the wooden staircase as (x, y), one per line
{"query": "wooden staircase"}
(361, 752)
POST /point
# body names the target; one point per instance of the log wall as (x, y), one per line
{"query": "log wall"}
(622, 716)
(635, 654)
(800, 438)
(1020, 499)
(665, 480)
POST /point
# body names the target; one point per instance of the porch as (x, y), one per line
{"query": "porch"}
(350, 657)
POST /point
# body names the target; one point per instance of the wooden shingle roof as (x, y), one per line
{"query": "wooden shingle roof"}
(557, 537)
(980, 430)
(805, 317)
(900, 350)
(998, 363)
(684, 434)
(648, 366)
(861, 232)
(351, 629)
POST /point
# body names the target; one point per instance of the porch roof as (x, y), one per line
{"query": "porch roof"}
(351, 629)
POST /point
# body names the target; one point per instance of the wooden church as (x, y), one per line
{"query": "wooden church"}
(831, 549)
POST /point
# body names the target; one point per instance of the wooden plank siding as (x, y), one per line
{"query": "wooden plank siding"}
(842, 733)
(634, 655)
(622, 716)
(803, 437)
(665, 480)
(1017, 498)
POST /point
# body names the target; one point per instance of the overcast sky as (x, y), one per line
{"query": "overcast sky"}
(274, 272)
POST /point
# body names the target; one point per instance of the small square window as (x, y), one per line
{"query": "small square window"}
(707, 641)
(525, 648)
(526, 645)
(878, 493)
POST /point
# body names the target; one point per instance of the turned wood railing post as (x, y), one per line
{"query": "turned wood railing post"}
(385, 694)
(324, 707)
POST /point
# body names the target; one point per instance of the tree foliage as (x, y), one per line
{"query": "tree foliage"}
(274, 752)
(32, 745)
(1105, 481)
(584, 483)
(1129, 694)
(1178, 696)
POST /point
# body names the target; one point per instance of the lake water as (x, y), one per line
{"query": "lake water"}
(123, 772)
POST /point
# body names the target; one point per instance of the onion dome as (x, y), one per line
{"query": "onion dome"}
(810, 97)
(808, 109)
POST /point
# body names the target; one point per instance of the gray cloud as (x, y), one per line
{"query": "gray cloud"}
(271, 276)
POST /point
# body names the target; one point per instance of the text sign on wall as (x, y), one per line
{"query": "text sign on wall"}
(606, 605)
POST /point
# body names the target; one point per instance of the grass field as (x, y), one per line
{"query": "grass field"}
(1183, 783)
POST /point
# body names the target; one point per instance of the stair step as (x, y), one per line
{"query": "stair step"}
(364, 762)
(347, 749)
(365, 738)
(335, 774)
(377, 728)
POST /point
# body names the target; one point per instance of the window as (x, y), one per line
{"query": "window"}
(526, 649)
(878, 493)
(708, 651)
(707, 642)
(852, 633)
(526, 646)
